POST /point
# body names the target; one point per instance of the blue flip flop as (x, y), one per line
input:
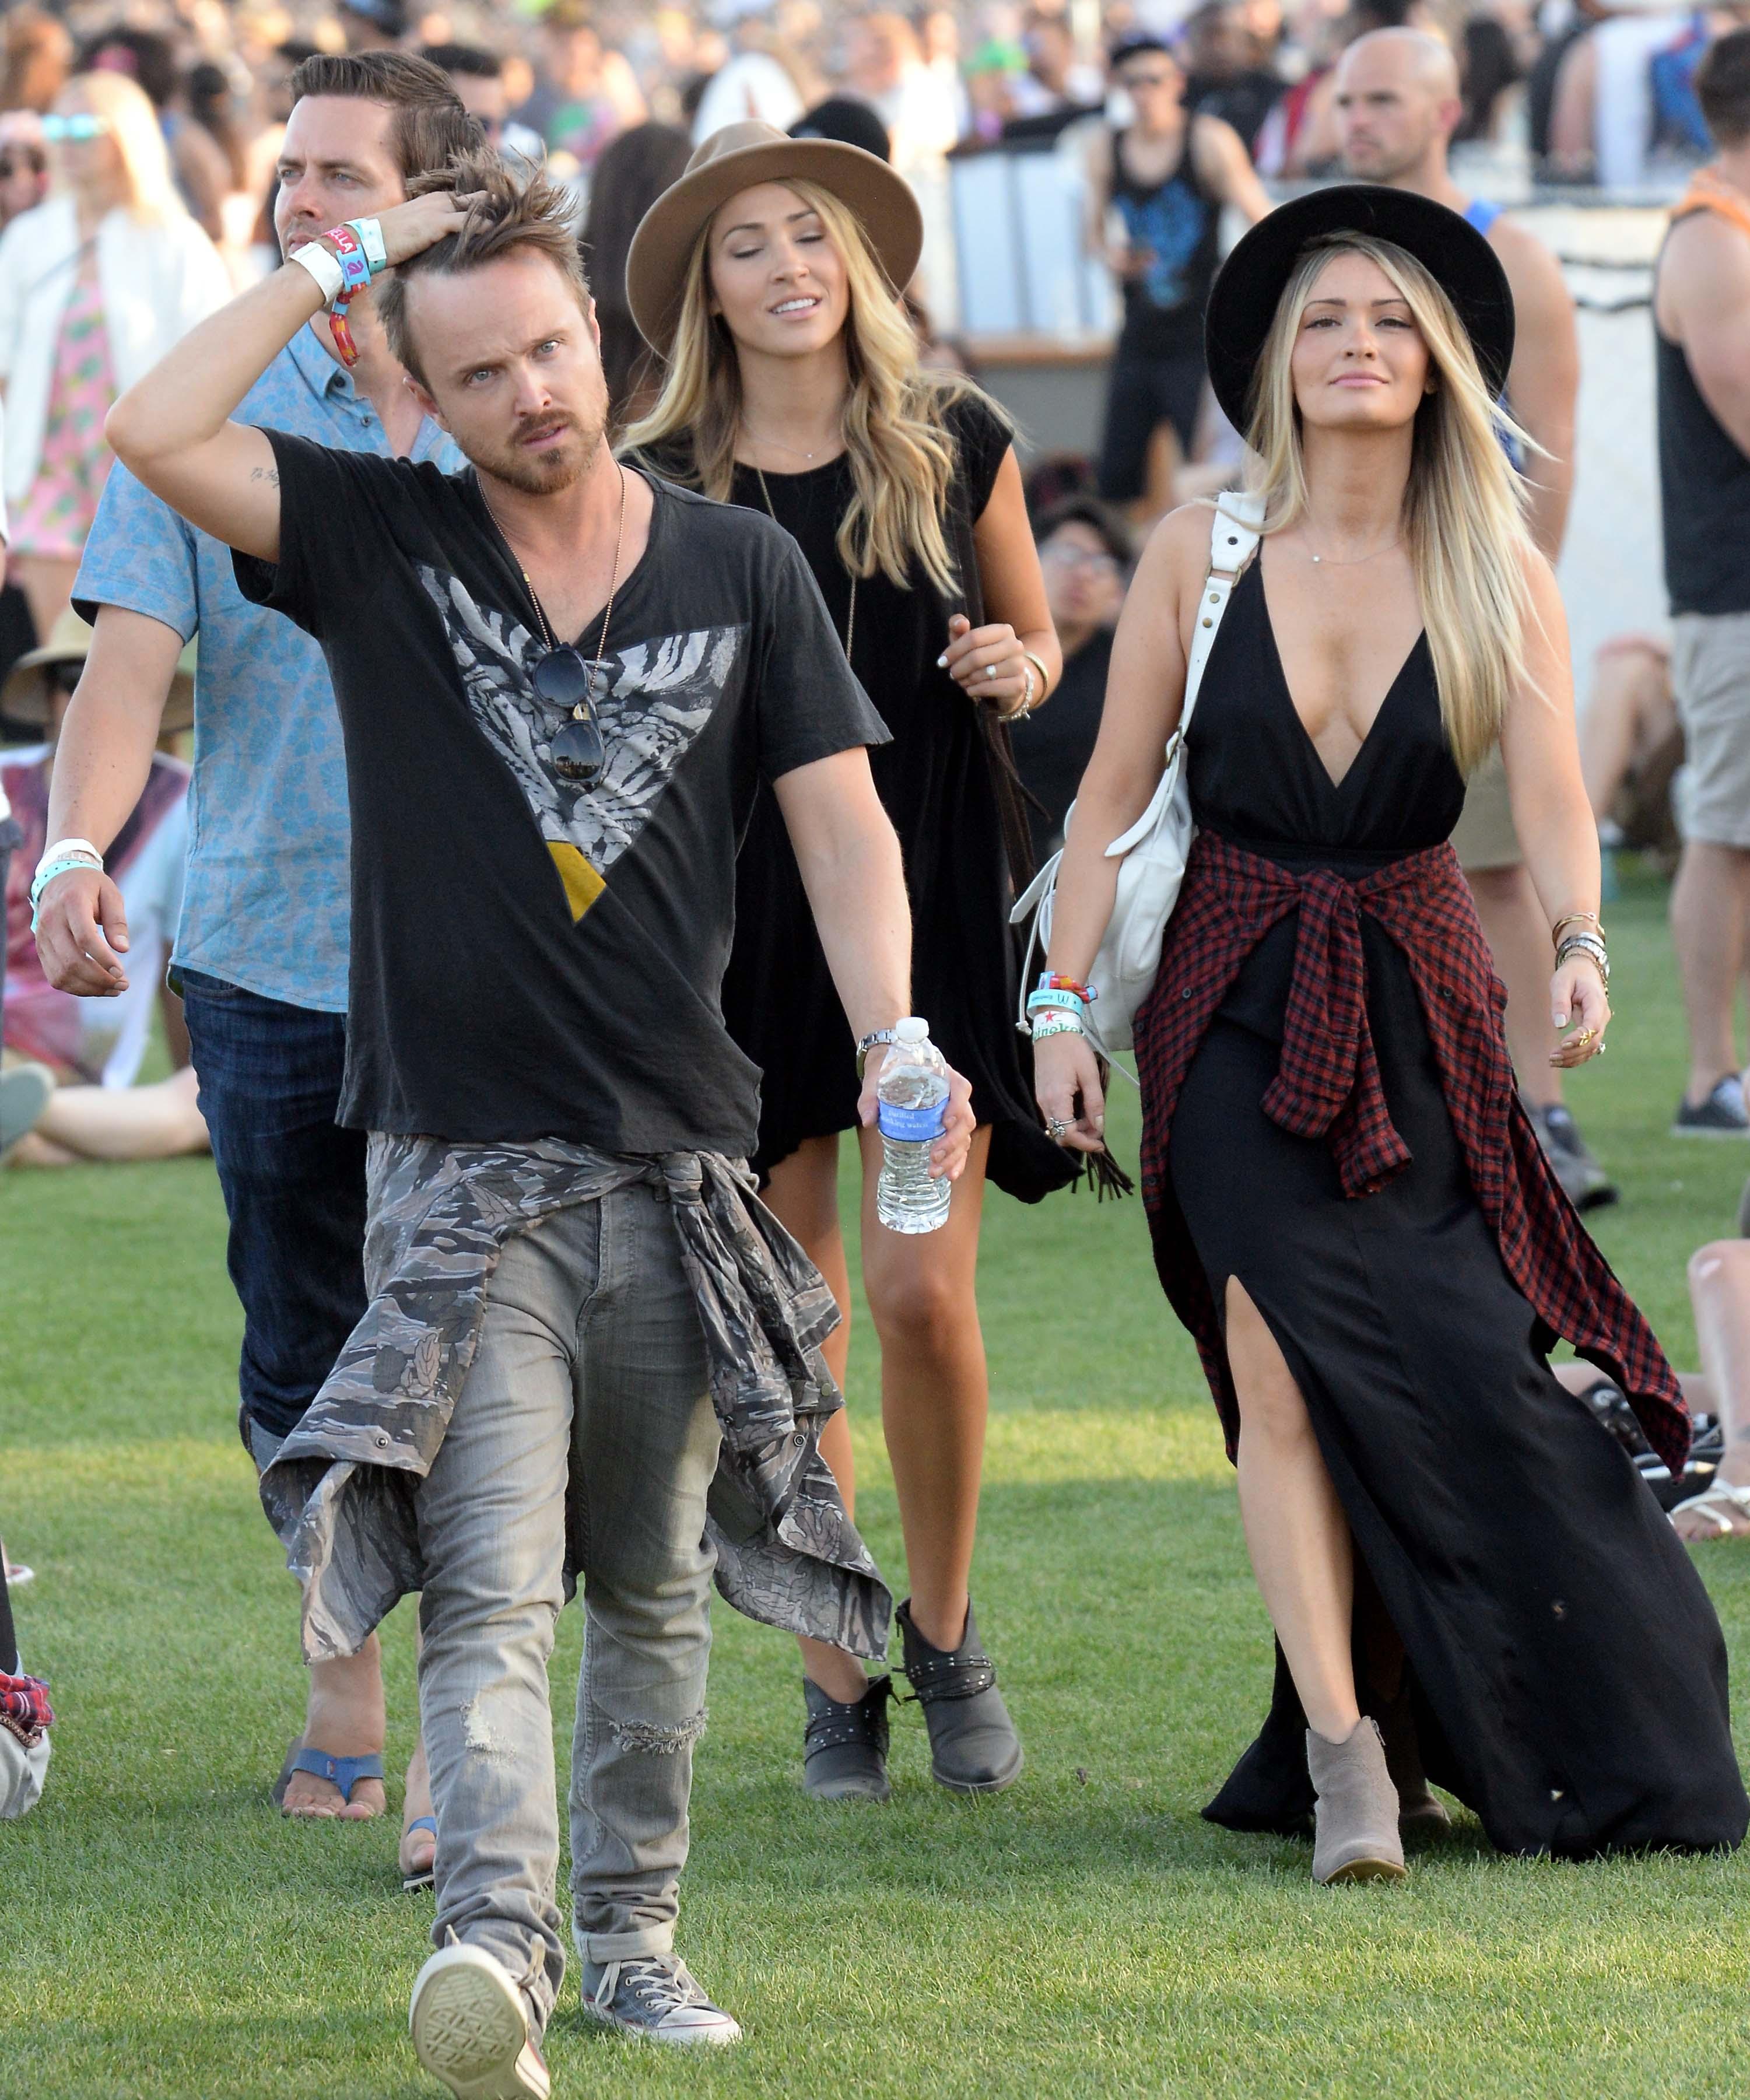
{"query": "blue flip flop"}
(343, 1772)
(422, 1878)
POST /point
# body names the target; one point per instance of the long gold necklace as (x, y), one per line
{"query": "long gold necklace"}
(850, 623)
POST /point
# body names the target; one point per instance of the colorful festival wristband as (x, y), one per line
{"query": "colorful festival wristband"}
(370, 233)
(1055, 981)
(1049, 1024)
(346, 349)
(1069, 1001)
(349, 252)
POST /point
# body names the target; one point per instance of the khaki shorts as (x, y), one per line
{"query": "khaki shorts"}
(1710, 675)
(1484, 837)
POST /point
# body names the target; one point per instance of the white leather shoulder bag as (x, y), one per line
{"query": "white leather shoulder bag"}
(1152, 853)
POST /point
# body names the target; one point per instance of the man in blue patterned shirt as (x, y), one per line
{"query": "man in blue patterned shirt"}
(262, 953)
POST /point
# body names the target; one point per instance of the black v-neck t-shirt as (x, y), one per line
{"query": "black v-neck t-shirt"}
(530, 958)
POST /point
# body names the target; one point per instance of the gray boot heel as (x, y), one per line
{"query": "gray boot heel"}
(1357, 1818)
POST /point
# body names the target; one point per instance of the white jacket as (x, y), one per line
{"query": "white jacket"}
(157, 278)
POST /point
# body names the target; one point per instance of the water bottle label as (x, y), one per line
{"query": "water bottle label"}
(917, 1126)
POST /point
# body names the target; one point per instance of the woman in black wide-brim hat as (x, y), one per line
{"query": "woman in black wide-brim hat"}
(1351, 1211)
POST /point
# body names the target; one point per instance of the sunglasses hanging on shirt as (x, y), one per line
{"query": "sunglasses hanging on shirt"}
(564, 679)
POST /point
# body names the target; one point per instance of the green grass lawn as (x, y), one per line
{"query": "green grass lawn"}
(166, 1934)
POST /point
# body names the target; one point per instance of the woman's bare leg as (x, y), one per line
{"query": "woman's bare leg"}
(158, 1122)
(1719, 1291)
(804, 1194)
(1295, 1529)
(935, 1392)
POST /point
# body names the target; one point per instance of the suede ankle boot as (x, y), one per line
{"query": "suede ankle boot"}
(1357, 1837)
(973, 1745)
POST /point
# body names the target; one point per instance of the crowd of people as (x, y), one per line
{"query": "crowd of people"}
(618, 635)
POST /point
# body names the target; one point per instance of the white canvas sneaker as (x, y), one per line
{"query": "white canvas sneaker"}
(470, 2029)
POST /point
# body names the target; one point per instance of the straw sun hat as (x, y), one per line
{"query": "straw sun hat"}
(734, 159)
(25, 696)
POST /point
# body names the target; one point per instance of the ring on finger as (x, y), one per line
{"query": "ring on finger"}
(1060, 1126)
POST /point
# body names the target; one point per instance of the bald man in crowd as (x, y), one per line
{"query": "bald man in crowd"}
(1397, 103)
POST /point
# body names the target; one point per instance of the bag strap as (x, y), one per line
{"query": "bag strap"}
(1234, 534)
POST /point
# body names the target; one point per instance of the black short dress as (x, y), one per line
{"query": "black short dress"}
(935, 783)
(1568, 1672)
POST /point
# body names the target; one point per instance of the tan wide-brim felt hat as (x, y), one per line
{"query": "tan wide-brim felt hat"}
(24, 697)
(734, 159)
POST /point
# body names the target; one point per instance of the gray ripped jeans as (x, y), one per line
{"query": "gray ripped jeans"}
(591, 1371)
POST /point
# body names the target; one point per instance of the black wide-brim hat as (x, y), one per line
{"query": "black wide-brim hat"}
(1246, 292)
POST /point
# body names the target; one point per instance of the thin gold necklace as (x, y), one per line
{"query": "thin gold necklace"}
(1355, 561)
(850, 623)
(796, 452)
(613, 586)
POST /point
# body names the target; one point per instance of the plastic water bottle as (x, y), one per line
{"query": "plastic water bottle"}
(913, 1090)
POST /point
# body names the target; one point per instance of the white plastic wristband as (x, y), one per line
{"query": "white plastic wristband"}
(322, 266)
(66, 849)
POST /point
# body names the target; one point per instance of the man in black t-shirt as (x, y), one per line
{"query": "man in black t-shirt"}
(582, 1324)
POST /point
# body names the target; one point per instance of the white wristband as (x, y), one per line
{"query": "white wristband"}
(322, 266)
(66, 849)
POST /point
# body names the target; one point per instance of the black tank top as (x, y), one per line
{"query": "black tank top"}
(1177, 221)
(1705, 488)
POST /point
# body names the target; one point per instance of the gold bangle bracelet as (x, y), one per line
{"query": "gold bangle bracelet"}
(1045, 679)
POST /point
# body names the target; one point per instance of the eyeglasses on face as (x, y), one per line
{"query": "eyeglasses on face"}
(74, 130)
(563, 679)
(1065, 554)
(29, 160)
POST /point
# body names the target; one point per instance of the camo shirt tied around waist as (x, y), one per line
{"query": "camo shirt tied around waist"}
(1327, 1085)
(340, 1492)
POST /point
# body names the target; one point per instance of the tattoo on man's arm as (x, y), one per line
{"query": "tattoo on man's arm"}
(270, 474)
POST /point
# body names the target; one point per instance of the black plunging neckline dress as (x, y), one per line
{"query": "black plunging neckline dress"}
(1565, 1667)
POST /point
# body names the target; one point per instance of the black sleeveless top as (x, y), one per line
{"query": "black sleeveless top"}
(1704, 490)
(1256, 779)
(1177, 221)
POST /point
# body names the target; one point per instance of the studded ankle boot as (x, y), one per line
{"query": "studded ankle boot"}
(845, 1744)
(973, 1745)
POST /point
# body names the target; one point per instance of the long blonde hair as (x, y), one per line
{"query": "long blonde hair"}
(902, 457)
(1464, 508)
(150, 190)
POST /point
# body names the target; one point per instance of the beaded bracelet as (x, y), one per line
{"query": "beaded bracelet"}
(1069, 1002)
(1049, 1024)
(1055, 981)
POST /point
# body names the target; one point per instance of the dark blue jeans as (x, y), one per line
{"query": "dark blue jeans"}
(293, 1184)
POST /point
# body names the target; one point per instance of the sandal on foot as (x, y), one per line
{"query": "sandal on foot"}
(845, 1744)
(973, 1745)
(1709, 1504)
(342, 1772)
(1357, 1838)
(420, 1878)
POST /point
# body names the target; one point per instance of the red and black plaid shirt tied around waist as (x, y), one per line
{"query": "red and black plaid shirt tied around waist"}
(1327, 1085)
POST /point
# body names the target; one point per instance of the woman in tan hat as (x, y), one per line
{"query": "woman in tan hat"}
(769, 278)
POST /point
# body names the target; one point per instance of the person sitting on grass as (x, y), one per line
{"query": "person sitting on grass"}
(98, 1041)
(1719, 1295)
(25, 1717)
